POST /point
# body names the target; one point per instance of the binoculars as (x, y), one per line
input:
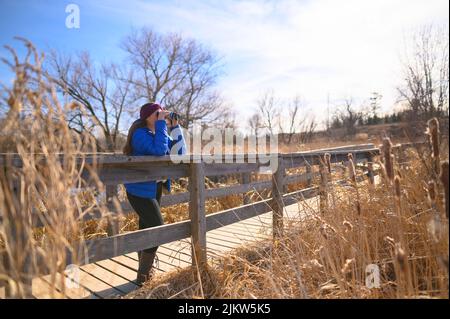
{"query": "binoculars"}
(174, 116)
(171, 115)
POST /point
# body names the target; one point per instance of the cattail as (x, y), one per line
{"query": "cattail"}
(397, 188)
(351, 170)
(433, 136)
(328, 162)
(352, 175)
(323, 195)
(400, 255)
(398, 195)
(370, 173)
(444, 180)
(431, 190)
(388, 158)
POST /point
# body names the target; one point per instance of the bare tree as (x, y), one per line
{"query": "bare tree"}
(426, 73)
(297, 121)
(348, 116)
(178, 73)
(255, 123)
(307, 130)
(268, 107)
(100, 89)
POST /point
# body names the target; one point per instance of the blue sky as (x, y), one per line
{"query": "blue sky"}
(314, 48)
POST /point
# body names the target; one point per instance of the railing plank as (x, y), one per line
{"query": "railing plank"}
(313, 158)
(174, 199)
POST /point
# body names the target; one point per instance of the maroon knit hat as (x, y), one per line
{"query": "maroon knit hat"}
(148, 109)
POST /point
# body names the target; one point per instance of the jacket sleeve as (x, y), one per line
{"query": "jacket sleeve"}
(177, 140)
(145, 144)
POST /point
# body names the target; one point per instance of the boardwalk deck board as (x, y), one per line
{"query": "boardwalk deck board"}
(114, 277)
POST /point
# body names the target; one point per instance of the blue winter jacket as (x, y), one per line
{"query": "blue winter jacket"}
(158, 143)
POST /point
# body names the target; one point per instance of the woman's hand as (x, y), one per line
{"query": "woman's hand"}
(162, 115)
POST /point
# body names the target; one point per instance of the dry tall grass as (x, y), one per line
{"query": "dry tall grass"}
(399, 224)
(53, 157)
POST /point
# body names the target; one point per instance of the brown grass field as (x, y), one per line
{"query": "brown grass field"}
(400, 224)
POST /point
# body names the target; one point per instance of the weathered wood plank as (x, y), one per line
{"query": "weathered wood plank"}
(197, 214)
(234, 168)
(42, 288)
(119, 269)
(313, 158)
(109, 159)
(105, 248)
(309, 173)
(101, 288)
(354, 147)
(100, 271)
(370, 170)
(245, 180)
(122, 175)
(277, 201)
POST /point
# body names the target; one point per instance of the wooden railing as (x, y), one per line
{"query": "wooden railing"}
(118, 169)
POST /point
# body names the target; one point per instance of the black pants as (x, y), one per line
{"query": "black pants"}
(148, 210)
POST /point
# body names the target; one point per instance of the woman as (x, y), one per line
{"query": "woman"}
(149, 136)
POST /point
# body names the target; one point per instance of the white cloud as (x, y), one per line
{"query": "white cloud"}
(313, 48)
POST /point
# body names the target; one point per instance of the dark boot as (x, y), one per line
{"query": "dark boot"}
(145, 266)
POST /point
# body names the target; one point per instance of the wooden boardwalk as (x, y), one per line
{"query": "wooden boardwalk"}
(113, 260)
(114, 277)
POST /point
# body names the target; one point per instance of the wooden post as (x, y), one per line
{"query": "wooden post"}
(113, 222)
(277, 199)
(323, 186)
(197, 214)
(370, 172)
(309, 171)
(245, 179)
